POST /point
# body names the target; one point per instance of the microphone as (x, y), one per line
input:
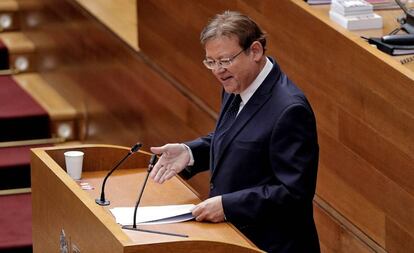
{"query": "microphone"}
(102, 201)
(406, 23)
(151, 165)
(399, 39)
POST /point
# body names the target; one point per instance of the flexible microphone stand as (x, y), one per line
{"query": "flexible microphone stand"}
(151, 164)
(102, 201)
(406, 23)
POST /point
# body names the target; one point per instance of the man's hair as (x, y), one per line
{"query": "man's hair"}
(233, 23)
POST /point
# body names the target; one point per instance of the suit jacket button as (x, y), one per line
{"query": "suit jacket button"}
(211, 186)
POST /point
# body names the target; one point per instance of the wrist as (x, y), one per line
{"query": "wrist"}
(190, 155)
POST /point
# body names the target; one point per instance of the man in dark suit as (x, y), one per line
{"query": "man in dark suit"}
(263, 153)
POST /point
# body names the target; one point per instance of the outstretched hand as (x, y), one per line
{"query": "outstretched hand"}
(174, 158)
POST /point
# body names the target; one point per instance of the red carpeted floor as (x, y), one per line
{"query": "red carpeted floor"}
(16, 223)
(21, 117)
(15, 167)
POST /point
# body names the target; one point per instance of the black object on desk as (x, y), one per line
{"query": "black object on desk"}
(391, 49)
(399, 39)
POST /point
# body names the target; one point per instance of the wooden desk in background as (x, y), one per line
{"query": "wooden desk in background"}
(389, 20)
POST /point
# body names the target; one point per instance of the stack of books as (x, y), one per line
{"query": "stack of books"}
(377, 4)
(383, 4)
(355, 15)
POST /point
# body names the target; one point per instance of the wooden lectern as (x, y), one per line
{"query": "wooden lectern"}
(66, 214)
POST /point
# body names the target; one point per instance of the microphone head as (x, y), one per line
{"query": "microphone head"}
(153, 160)
(136, 147)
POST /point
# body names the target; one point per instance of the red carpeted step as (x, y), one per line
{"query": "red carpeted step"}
(4, 56)
(16, 223)
(21, 117)
(15, 167)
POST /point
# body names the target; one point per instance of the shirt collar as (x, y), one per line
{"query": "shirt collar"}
(248, 93)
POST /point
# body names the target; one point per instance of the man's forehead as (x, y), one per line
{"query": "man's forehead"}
(228, 38)
(220, 46)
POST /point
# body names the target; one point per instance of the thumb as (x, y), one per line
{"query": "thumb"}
(158, 150)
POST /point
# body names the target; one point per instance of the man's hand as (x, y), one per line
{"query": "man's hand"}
(174, 158)
(209, 210)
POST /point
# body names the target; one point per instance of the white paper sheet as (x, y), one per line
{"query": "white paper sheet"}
(148, 215)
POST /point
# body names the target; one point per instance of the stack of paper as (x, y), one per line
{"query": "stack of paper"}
(354, 15)
(383, 4)
(153, 214)
(351, 7)
(377, 4)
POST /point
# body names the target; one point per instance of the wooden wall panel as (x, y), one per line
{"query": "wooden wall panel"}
(399, 240)
(334, 237)
(325, 109)
(355, 207)
(175, 25)
(372, 145)
(368, 181)
(363, 101)
(123, 98)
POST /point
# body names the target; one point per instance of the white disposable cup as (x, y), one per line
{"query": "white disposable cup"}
(74, 161)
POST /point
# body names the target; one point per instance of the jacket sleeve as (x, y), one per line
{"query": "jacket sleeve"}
(293, 153)
(201, 152)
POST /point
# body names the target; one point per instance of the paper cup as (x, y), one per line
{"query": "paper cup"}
(74, 161)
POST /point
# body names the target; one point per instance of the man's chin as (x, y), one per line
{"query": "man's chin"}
(229, 88)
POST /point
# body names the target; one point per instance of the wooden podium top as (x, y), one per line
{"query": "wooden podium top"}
(60, 203)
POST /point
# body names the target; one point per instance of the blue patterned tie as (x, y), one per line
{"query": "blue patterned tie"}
(226, 122)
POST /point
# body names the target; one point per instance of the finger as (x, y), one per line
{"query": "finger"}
(195, 211)
(157, 166)
(158, 150)
(155, 169)
(168, 175)
(200, 217)
(159, 175)
(165, 169)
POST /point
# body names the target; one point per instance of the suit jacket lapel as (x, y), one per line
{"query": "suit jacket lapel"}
(227, 98)
(259, 98)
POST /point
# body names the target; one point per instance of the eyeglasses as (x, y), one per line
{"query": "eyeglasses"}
(222, 63)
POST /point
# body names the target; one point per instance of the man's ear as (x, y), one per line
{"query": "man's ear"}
(257, 50)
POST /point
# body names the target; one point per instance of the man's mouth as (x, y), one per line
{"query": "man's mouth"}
(223, 79)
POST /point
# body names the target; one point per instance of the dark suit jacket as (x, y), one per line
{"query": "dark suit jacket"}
(267, 165)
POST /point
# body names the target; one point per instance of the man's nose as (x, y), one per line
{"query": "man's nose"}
(218, 69)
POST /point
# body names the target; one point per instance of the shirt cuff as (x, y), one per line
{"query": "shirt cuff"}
(191, 162)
